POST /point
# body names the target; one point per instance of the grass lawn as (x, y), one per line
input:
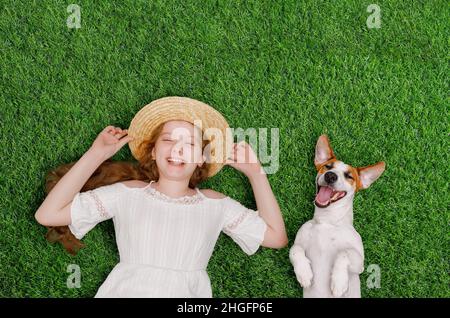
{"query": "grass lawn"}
(305, 67)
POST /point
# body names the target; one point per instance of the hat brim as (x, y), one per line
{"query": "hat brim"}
(159, 111)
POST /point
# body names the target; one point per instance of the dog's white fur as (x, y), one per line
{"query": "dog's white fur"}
(328, 253)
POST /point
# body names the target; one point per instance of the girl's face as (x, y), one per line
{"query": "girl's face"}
(178, 150)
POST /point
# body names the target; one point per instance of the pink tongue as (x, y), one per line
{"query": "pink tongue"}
(324, 195)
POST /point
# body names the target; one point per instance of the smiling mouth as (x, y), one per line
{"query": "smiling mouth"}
(176, 162)
(327, 195)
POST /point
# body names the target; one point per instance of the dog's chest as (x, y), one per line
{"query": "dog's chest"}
(324, 238)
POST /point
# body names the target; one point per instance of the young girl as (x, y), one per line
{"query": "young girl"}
(165, 227)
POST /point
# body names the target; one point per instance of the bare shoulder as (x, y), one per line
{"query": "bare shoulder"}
(134, 183)
(212, 194)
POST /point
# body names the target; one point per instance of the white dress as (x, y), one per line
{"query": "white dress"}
(164, 243)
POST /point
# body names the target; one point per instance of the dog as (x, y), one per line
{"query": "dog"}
(328, 253)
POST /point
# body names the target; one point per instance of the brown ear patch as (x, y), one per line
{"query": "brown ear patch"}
(322, 167)
(356, 180)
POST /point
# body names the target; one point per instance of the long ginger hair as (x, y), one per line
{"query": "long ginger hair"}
(110, 172)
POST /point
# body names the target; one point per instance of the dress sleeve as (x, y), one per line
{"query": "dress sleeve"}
(92, 207)
(243, 225)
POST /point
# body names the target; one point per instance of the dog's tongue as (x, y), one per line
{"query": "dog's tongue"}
(324, 195)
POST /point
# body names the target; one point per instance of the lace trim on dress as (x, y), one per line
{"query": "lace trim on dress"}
(100, 208)
(187, 199)
(238, 220)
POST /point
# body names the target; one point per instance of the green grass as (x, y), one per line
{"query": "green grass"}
(305, 67)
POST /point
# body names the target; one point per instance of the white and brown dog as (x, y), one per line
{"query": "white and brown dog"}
(328, 253)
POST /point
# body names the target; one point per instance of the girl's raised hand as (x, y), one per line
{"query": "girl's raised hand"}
(110, 140)
(244, 159)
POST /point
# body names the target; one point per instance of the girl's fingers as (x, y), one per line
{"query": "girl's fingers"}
(117, 130)
(123, 141)
(121, 134)
(229, 161)
(109, 129)
(233, 158)
(114, 129)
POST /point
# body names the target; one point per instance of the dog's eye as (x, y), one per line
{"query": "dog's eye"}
(348, 175)
(330, 166)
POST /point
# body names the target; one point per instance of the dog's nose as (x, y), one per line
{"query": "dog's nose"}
(330, 177)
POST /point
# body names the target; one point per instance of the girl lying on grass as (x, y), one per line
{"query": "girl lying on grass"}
(165, 227)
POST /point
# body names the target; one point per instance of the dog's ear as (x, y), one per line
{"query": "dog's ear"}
(368, 175)
(323, 151)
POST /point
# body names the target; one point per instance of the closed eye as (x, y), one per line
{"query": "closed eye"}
(348, 175)
(330, 166)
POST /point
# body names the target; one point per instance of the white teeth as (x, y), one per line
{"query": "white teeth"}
(175, 161)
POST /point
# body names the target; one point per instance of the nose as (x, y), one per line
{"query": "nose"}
(177, 149)
(330, 177)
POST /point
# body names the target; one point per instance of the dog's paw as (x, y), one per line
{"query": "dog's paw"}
(339, 283)
(304, 274)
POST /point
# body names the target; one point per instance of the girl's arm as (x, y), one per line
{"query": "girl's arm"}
(244, 159)
(55, 210)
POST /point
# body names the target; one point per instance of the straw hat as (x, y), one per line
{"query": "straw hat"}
(164, 109)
